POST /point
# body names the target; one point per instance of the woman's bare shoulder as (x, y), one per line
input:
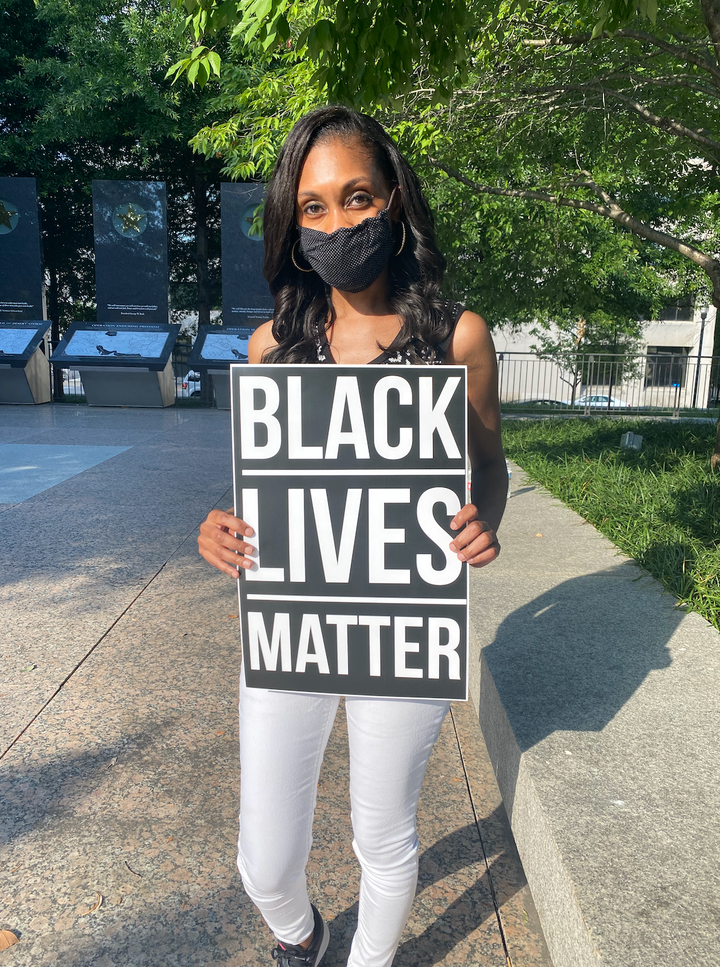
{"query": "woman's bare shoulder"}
(471, 342)
(260, 341)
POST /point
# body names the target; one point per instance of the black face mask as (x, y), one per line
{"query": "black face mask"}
(350, 259)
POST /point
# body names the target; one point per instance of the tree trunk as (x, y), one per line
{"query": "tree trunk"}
(575, 383)
(201, 274)
(201, 250)
(715, 458)
(54, 314)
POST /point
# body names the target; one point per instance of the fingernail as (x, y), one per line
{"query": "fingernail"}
(249, 532)
(453, 547)
(453, 525)
(461, 557)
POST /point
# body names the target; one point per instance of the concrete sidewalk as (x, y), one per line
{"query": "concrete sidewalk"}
(119, 776)
(599, 701)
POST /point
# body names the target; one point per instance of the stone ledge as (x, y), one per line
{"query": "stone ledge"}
(599, 702)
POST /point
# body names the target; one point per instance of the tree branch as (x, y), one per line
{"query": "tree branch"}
(610, 209)
(637, 81)
(711, 16)
(548, 98)
(654, 120)
(643, 80)
(676, 81)
(682, 52)
(663, 123)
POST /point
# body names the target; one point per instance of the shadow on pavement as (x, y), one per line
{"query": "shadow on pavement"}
(573, 656)
(461, 917)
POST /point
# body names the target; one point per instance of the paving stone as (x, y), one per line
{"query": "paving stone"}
(121, 781)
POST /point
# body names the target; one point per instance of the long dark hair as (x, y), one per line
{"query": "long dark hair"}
(303, 308)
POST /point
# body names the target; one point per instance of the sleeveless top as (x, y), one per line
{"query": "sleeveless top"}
(399, 356)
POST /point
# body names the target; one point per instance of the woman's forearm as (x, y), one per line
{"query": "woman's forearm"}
(489, 491)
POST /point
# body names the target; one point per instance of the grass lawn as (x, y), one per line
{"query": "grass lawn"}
(660, 505)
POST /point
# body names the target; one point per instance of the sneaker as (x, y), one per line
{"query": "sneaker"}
(293, 955)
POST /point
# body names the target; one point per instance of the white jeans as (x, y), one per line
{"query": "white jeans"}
(282, 741)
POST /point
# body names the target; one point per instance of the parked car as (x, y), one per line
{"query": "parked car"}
(599, 401)
(539, 403)
(192, 377)
(187, 386)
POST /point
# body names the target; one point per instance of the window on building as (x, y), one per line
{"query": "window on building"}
(666, 365)
(680, 310)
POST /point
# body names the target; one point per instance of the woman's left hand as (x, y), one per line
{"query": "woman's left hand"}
(477, 542)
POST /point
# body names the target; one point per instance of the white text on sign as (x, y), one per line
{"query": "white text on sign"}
(337, 550)
(260, 402)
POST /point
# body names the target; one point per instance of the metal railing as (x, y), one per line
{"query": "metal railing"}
(588, 384)
(671, 383)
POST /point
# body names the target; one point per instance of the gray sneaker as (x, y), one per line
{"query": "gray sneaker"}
(293, 955)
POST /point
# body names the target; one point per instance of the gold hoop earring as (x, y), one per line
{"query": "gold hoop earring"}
(292, 256)
(402, 244)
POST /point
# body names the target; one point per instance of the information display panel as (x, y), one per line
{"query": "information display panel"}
(350, 476)
(219, 346)
(24, 369)
(19, 340)
(117, 344)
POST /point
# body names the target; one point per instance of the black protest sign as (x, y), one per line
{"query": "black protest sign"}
(350, 476)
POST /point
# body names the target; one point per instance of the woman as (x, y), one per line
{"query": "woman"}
(351, 260)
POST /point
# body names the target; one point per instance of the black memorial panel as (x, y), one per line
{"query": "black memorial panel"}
(131, 256)
(245, 294)
(21, 271)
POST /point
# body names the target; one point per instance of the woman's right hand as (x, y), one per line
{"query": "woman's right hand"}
(220, 547)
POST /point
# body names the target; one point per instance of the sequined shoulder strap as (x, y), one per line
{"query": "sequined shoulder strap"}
(457, 310)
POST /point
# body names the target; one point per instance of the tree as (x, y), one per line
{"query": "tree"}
(498, 249)
(527, 72)
(604, 112)
(368, 53)
(626, 126)
(86, 98)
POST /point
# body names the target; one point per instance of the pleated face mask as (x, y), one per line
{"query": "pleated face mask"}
(350, 259)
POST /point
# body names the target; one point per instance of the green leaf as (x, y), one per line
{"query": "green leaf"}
(324, 34)
(282, 27)
(261, 8)
(192, 72)
(213, 59)
(390, 36)
(177, 69)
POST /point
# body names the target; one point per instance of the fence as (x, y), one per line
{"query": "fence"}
(592, 383)
(662, 382)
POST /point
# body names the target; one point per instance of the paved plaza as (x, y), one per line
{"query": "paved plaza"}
(119, 773)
